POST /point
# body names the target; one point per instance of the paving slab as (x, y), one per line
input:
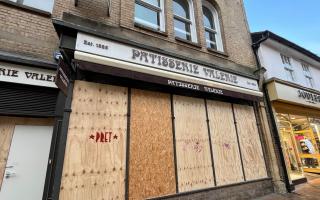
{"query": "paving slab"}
(306, 191)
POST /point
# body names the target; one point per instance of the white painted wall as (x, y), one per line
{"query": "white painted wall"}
(269, 55)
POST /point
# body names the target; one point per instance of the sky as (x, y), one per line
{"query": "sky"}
(296, 20)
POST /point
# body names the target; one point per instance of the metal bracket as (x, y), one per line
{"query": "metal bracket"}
(109, 2)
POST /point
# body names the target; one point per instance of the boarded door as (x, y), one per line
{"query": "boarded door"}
(27, 163)
(94, 165)
(7, 125)
(227, 161)
(252, 155)
(192, 144)
(151, 146)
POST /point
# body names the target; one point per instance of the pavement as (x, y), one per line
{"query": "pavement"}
(306, 191)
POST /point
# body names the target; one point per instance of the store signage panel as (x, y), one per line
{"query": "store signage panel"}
(63, 76)
(279, 91)
(192, 86)
(309, 97)
(27, 75)
(103, 47)
(165, 80)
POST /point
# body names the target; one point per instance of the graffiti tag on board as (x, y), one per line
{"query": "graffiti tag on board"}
(103, 137)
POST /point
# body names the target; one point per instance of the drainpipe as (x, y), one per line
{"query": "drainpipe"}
(272, 121)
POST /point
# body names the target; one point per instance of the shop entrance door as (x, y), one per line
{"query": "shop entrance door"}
(26, 167)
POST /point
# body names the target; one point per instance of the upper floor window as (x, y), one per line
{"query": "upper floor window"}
(307, 75)
(285, 60)
(150, 13)
(184, 22)
(44, 5)
(211, 26)
(288, 67)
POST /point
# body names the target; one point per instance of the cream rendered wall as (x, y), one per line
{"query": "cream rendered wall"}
(271, 60)
(316, 77)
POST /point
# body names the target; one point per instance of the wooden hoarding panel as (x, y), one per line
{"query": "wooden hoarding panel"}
(95, 157)
(151, 170)
(192, 144)
(226, 156)
(252, 155)
(6, 133)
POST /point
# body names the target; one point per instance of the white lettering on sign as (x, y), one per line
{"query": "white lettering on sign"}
(27, 75)
(103, 47)
(183, 85)
(195, 87)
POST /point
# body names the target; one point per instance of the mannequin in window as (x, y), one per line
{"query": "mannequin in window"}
(307, 148)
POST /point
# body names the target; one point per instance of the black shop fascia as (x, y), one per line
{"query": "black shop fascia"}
(110, 60)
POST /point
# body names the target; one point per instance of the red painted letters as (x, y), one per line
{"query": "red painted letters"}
(103, 137)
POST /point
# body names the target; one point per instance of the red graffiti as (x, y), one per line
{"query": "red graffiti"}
(198, 147)
(227, 146)
(103, 137)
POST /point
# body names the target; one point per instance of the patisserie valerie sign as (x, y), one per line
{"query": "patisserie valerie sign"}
(103, 47)
(27, 75)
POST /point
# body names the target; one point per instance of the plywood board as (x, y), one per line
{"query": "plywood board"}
(226, 156)
(152, 170)
(7, 125)
(192, 144)
(252, 155)
(6, 133)
(95, 157)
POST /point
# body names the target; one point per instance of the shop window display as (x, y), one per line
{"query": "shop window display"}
(289, 147)
(300, 143)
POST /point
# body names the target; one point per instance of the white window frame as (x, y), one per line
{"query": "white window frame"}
(191, 21)
(290, 74)
(160, 10)
(216, 21)
(23, 4)
(307, 74)
(286, 60)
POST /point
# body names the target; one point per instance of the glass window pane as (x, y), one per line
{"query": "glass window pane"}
(211, 40)
(182, 29)
(306, 141)
(147, 17)
(289, 144)
(181, 8)
(309, 82)
(208, 19)
(153, 2)
(45, 5)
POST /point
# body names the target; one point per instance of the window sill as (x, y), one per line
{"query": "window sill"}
(188, 42)
(211, 50)
(26, 8)
(150, 29)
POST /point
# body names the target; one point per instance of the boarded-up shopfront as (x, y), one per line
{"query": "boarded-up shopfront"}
(141, 128)
(28, 112)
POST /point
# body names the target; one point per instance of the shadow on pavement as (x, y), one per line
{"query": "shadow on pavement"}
(306, 191)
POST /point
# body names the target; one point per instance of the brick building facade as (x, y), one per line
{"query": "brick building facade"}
(30, 101)
(31, 37)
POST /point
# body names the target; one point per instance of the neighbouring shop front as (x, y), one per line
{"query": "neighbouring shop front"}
(28, 101)
(145, 124)
(297, 114)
